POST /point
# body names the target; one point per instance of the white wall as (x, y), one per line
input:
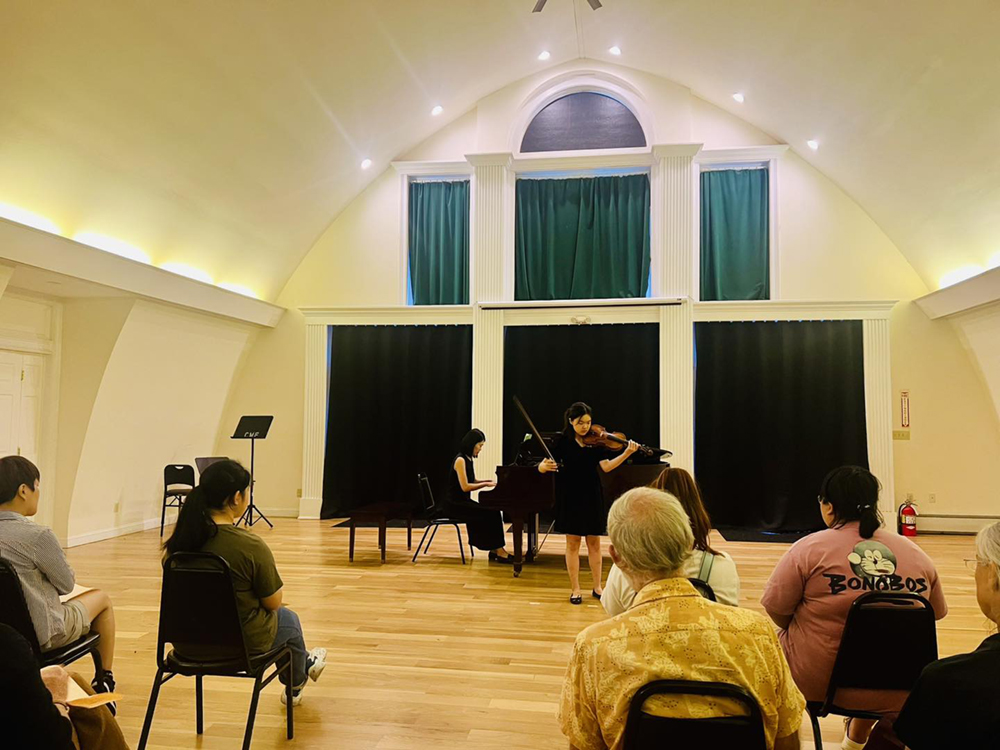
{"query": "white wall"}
(160, 399)
(830, 249)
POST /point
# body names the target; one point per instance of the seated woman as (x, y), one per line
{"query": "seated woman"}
(207, 524)
(956, 702)
(717, 569)
(813, 586)
(485, 526)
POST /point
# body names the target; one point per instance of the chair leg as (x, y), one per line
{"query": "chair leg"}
(199, 697)
(421, 543)
(252, 715)
(289, 721)
(163, 515)
(381, 538)
(157, 681)
(461, 545)
(817, 732)
(431, 540)
(472, 550)
(409, 534)
(351, 548)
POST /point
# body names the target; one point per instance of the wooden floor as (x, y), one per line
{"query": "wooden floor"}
(432, 655)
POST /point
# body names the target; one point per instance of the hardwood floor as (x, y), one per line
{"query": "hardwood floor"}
(431, 655)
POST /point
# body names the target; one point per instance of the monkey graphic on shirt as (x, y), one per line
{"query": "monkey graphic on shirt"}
(874, 566)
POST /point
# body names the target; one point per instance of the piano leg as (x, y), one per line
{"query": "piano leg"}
(532, 539)
(517, 527)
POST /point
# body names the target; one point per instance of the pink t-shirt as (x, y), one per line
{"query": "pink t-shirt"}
(817, 581)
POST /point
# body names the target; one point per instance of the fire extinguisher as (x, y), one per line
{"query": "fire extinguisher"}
(906, 519)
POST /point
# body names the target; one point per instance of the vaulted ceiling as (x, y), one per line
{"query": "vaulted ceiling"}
(228, 134)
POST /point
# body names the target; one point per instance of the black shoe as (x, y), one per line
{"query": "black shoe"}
(595, 594)
(508, 560)
(106, 684)
(576, 599)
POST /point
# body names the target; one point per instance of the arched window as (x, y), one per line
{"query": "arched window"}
(581, 121)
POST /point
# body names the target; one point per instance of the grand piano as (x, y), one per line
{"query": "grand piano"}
(522, 493)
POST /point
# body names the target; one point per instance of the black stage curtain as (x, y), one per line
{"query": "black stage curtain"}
(777, 405)
(400, 401)
(614, 368)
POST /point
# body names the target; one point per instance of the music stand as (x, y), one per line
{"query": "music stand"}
(252, 429)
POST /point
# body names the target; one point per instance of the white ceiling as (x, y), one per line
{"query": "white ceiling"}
(228, 134)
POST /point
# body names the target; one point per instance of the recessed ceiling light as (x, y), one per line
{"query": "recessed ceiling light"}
(813, 144)
(366, 163)
(544, 55)
(437, 110)
(738, 97)
(616, 50)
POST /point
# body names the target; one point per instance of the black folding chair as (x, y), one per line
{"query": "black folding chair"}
(867, 661)
(205, 461)
(178, 481)
(434, 521)
(200, 620)
(644, 731)
(14, 612)
(703, 588)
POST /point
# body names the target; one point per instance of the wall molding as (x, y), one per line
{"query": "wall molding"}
(764, 310)
(980, 290)
(741, 154)
(400, 315)
(432, 168)
(879, 413)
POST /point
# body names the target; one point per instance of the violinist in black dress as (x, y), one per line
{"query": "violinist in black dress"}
(484, 525)
(580, 512)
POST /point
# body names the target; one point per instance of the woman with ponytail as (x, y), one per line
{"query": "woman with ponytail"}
(207, 523)
(814, 585)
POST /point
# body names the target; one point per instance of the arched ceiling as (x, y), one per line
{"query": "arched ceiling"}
(228, 134)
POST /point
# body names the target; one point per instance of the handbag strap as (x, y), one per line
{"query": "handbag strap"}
(706, 567)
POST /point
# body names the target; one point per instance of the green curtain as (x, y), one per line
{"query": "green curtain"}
(734, 235)
(439, 243)
(582, 238)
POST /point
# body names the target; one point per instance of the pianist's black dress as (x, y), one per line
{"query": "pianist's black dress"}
(485, 525)
(579, 496)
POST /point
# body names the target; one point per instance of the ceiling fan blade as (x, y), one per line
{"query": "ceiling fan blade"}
(594, 4)
(538, 6)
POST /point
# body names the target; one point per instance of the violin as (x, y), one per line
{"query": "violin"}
(616, 441)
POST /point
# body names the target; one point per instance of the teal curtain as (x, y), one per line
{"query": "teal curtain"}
(582, 238)
(439, 243)
(735, 261)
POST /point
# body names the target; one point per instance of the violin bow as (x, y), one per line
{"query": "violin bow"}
(534, 430)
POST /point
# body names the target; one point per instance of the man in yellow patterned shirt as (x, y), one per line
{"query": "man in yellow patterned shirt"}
(671, 633)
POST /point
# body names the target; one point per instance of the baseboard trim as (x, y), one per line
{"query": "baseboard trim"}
(99, 536)
(958, 524)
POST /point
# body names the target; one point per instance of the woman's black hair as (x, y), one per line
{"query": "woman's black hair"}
(472, 438)
(219, 482)
(575, 411)
(853, 493)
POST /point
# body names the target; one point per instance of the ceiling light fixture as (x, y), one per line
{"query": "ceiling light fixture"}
(438, 109)
(112, 245)
(544, 55)
(616, 50)
(813, 144)
(738, 97)
(366, 163)
(27, 218)
(960, 274)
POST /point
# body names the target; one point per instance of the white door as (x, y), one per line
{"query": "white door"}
(31, 407)
(10, 401)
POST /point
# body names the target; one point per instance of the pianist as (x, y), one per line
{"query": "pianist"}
(485, 526)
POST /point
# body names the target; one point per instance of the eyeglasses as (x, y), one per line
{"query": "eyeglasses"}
(972, 563)
(820, 499)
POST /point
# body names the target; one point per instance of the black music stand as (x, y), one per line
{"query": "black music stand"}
(252, 429)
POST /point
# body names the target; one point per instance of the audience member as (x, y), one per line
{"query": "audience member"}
(670, 632)
(956, 702)
(813, 586)
(45, 574)
(717, 569)
(207, 524)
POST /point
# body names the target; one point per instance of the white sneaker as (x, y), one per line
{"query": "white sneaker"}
(316, 662)
(296, 696)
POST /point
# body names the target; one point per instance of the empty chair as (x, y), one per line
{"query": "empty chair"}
(204, 462)
(200, 620)
(646, 731)
(178, 481)
(864, 662)
(435, 521)
(14, 612)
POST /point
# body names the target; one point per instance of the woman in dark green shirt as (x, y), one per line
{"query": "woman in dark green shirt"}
(207, 523)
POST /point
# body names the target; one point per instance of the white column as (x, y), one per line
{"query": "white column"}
(492, 227)
(878, 412)
(672, 218)
(314, 421)
(677, 383)
(487, 386)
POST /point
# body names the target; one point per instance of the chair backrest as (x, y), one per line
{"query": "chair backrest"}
(205, 461)
(888, 639)
(13, 607)
(426, 496)
(198, 612)
(644, 731)
(174, 474)
(703, 588)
